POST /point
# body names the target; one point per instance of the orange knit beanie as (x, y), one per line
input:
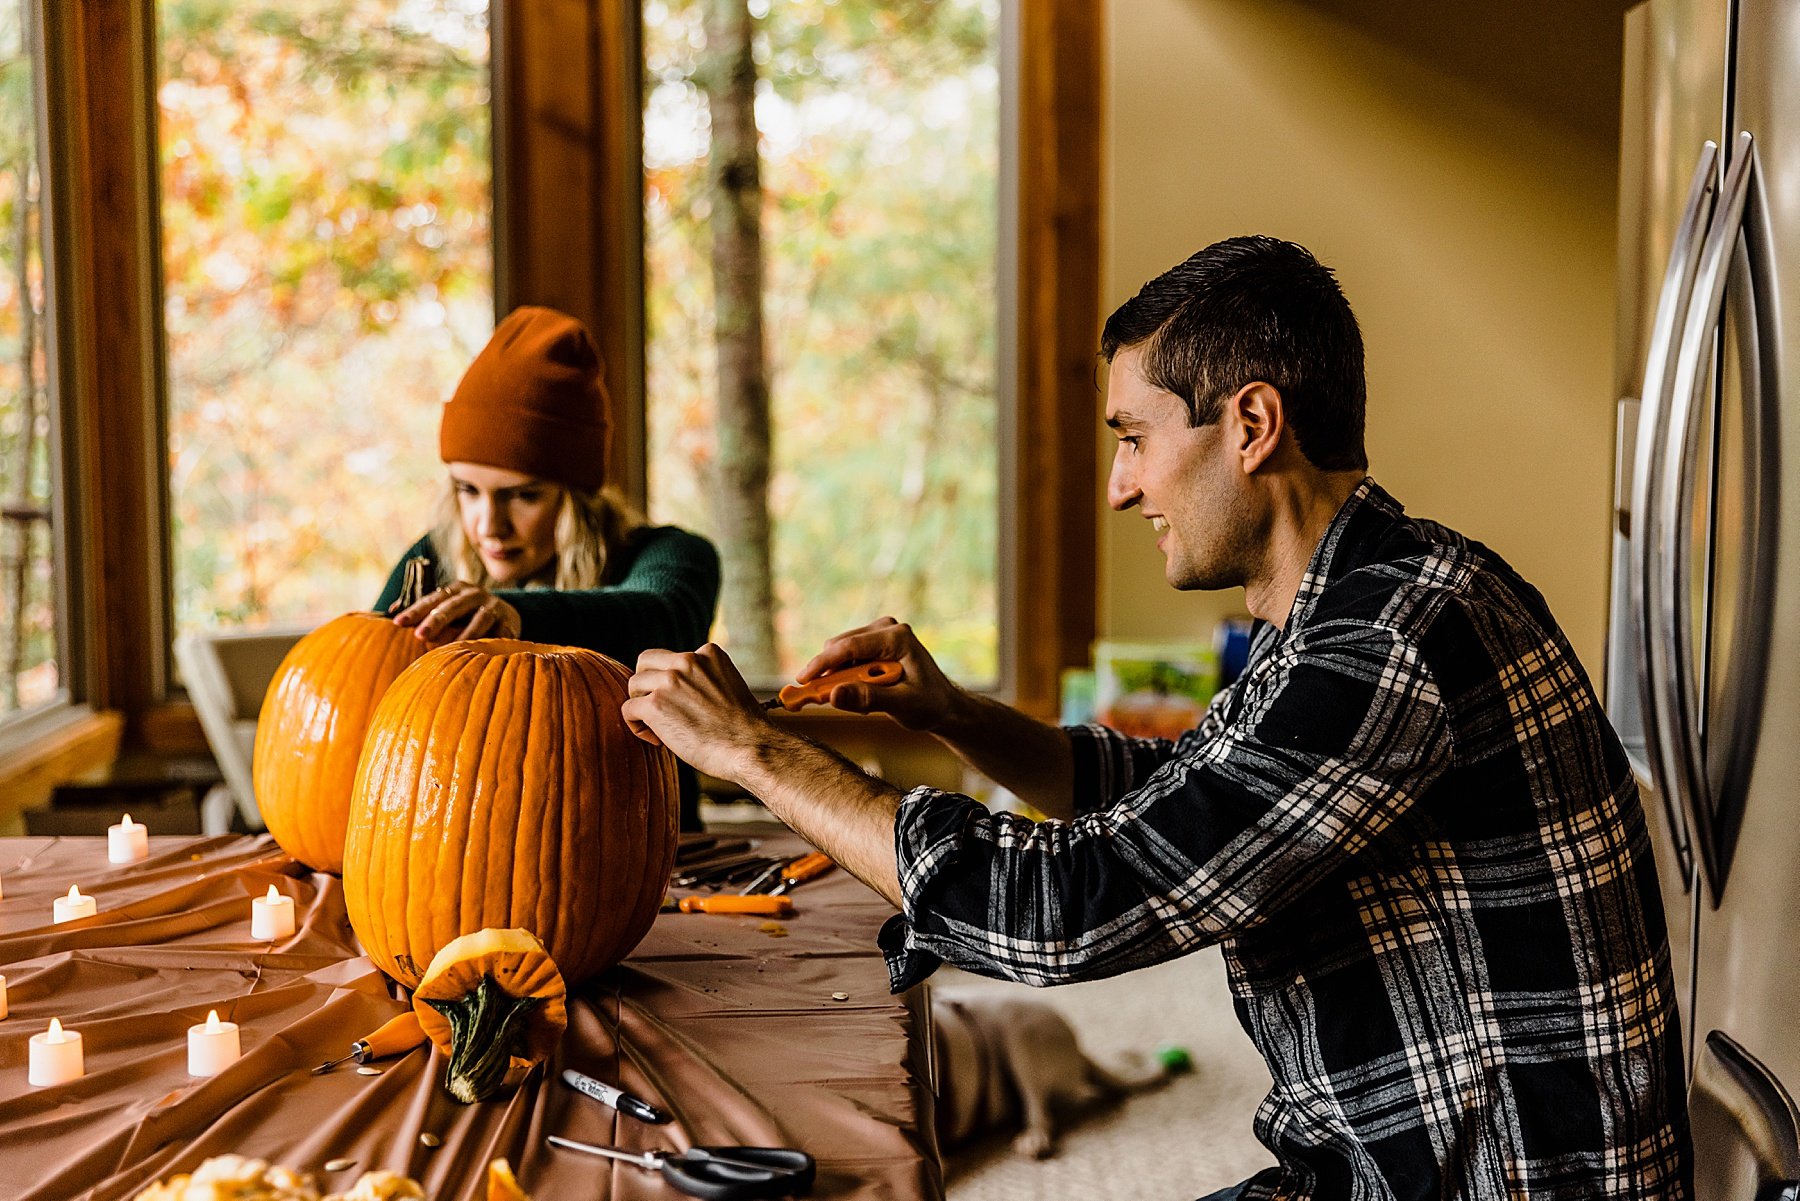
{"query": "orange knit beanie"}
(533, 402)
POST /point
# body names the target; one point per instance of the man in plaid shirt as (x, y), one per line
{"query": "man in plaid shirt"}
(1408, 823)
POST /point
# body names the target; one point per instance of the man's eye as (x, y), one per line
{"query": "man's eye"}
(530, 497)
(465, 490)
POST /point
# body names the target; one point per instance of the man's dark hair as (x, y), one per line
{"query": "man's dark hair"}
(1248, 309)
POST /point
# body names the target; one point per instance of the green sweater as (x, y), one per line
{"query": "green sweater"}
(665, 592)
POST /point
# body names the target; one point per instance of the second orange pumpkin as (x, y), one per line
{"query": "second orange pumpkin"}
(310, 733)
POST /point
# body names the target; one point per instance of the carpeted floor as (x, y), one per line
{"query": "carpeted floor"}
(1176, 1143)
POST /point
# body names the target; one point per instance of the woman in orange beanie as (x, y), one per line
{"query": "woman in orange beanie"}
(529, 542)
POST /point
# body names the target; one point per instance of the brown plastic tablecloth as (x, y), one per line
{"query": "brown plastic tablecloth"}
(716, 1019)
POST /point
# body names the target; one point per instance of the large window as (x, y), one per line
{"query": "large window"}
(327, 273)
(29, 653)
(288, 221)
(822, 183)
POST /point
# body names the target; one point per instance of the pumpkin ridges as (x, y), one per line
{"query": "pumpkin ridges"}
(473, 912)
(640, 839)
(357, 840)
(594, 944)
(436, 804)
(475, 783)
(404, 791)
(503, 816)
(310, 731)
(322, 719)
(389, 759)
(590, 832)
(581, 848)
(517, 905)
(551, 715)
(545, 728)
(638, 822)
(391, 766)
(549, 827)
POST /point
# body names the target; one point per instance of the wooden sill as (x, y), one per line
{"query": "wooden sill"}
(53, 750)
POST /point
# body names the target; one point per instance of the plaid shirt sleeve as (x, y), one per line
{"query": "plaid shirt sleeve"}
(1305, 763)
(1109, 765)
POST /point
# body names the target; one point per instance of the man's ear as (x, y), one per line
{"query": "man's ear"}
(1261, 419)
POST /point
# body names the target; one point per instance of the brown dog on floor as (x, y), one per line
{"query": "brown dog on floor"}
(1006, 1060)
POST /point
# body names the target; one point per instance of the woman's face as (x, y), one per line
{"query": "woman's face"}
(509, 518)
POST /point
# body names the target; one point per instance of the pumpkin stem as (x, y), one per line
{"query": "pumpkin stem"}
(487, 1028)
(417, 582)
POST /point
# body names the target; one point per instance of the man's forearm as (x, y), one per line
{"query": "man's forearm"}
(832, 803)
(1030, 758)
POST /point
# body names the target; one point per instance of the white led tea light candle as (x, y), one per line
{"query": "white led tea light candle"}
(55, 1056)
(73, 906)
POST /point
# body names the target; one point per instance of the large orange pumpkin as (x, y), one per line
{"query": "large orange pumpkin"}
(499, 787)
(310, 733)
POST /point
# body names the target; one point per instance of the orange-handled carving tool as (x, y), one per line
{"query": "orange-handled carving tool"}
(818, 692)
(801, 870)
(764, 906)
(396, 1036)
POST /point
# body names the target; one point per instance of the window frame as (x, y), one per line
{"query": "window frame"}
(567, 142)
(76, 46)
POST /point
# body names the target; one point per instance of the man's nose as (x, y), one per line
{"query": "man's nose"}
(1121, 486)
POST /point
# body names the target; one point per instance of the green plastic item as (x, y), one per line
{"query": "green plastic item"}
(1175, 1060)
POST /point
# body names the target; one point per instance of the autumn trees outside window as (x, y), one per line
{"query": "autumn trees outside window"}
(822, 183)
(326, 187)
(822, 207)
(29, 642)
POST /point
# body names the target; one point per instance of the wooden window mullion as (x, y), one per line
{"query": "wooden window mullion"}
(103, 121)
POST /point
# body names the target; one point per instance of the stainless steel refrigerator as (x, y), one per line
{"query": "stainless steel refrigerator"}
(1703, 658)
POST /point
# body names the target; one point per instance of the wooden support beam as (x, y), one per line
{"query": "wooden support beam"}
(1061, 94)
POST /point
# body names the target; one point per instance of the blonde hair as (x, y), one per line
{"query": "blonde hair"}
(590, 529)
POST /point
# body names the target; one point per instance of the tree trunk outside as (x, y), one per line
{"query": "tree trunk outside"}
(19, 536)
(740, 476)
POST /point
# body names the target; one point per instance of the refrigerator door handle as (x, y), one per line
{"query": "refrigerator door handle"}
(1679, 692)
(1647, 606)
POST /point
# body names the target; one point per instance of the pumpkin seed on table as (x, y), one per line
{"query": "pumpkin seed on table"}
(840, 996)
(430, 1140)
(338, 1165)
(368, 1071)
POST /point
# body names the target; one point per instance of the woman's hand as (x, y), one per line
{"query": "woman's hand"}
(436, 615)
(923, 700)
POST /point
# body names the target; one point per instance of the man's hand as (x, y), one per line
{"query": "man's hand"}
(696, 704)
(923, 700)
(436, 614)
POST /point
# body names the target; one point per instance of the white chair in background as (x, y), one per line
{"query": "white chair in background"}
(226, 673)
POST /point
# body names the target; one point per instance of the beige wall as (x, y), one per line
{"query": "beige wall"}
(1474, 237)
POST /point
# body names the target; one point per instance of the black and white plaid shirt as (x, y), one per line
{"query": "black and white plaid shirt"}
(1420, 844)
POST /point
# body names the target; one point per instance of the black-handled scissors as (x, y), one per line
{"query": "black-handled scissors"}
(719, 1173)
